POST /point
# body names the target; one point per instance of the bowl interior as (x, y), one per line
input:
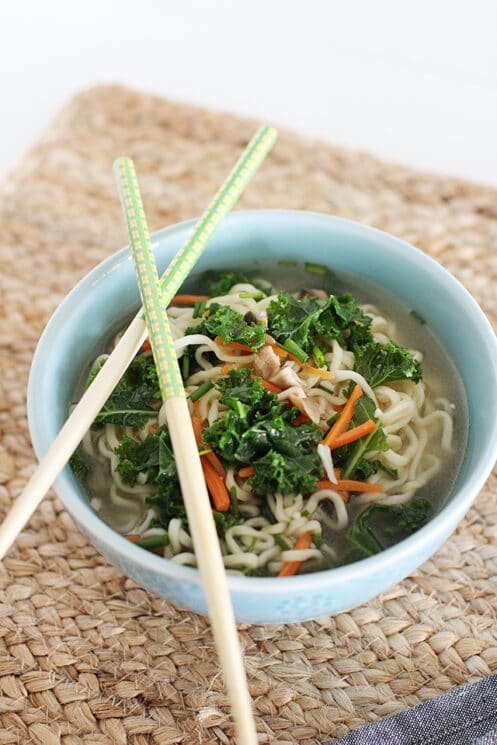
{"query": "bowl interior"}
(109, 293)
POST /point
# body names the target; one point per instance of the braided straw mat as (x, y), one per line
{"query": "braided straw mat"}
(86, 655)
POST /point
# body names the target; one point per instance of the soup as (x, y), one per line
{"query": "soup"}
(323, 440)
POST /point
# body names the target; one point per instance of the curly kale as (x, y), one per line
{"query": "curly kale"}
(306, 326)
(223, 284)
(310, 321)
(153, 457)
(384, 363)
(135, 398)
(257, 430)
(230, 325)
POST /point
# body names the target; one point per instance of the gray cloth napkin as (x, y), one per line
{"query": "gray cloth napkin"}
(465, 716)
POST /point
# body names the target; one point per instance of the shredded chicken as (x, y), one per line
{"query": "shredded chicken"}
(266, 363)
(286, 377)
(307, 406)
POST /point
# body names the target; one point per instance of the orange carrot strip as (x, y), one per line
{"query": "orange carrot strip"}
(283, 353)
(292, 567)
(358, 486)
(226, 368)
(215, 463)
(132, 538)
(233, 345)
(271, 386)
(351, 435)
(246, 472)
(326, 484)
(146, 346)
(345, 417)
(217, 487)
(326, 374)
(210, 455)
(188, 299)
(197, 423)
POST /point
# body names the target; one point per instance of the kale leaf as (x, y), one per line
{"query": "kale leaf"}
(137, 457)
(79, 465)
(135, 398)
(230, 325)
(257, 430)
(154, 457)
(275, 472)
(381, 526)
(225, 282)
(309, 321)
(383, 363)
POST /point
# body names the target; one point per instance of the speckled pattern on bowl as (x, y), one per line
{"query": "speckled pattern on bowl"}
(109, 293)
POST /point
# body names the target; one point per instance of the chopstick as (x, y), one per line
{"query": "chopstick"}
(95, 396)
(194, 490)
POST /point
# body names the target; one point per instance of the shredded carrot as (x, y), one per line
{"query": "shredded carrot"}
(345, 417)
(271, 386)
(146, 346)
(347, 485)
(292, 567)
(210, 455)
(351, 435)
(215, 463)
(358, 486)
(326, 374)
(326, 483)
(278, 350)
(246, 472)
(217, 487)
(197, 428)
(132, 538)
(153, 429)
(226, 368)
(233, 345)
(188, 299)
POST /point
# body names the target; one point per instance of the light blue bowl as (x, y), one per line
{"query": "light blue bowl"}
(109, 293)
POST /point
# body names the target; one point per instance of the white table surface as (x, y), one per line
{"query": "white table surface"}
(411, 81)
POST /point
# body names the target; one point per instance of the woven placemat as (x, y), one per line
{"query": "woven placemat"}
(87, 656)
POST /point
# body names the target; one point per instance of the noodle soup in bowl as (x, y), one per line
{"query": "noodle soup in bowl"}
(436, 440)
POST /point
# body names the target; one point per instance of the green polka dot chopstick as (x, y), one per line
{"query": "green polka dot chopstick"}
(195, 496)
(104, 383)
(152, 298)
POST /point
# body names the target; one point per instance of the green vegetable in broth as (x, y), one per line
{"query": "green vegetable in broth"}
(230, 326)
(314, 417)
(258, 430)
(135, 398)
(223, 284)
(310, 322)
(384, 363)
(381, 526)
